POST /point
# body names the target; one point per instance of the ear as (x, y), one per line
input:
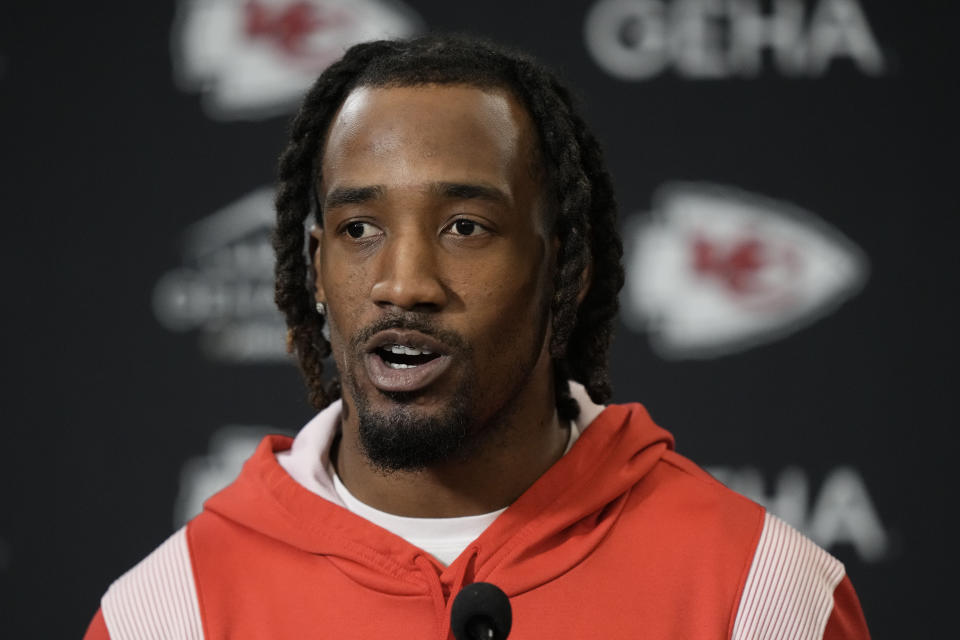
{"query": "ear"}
(313, 251)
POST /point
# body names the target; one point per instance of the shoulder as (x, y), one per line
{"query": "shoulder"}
(157, 597)
(689, 497)
(790, 589)
(786, 585)
(792, 585)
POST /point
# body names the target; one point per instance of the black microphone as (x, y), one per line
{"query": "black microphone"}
(481, 611)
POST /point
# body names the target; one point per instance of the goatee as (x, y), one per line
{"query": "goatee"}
(404, 439)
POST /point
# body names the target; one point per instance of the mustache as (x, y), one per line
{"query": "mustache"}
(411, 321)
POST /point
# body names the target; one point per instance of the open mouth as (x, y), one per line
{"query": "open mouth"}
(403, 360)
(398, 356)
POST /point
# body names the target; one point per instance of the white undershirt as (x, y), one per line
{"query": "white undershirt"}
(444, 538)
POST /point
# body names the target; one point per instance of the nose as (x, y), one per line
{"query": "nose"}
(408, 276)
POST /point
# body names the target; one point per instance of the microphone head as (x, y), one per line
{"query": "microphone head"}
(479, 609)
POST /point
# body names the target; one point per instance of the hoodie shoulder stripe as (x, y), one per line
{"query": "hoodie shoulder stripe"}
(789, 589)
(157, 598)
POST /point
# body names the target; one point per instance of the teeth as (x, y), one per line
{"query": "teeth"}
(407, 351)
(398, 365)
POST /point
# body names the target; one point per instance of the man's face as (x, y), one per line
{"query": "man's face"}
(435, 261)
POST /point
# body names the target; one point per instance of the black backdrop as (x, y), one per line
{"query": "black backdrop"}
(139, 361)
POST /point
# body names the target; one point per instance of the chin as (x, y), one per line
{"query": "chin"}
(408, 437)
(411, 430)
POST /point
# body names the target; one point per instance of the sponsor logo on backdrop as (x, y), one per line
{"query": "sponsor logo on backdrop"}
(712, 39)
(841, 513)
(224, 288)
(203, 476)
(715, 270)
(253, 59)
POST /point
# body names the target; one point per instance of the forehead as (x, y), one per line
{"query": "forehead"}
(397, 134)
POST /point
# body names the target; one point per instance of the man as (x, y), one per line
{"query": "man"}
(463, 274)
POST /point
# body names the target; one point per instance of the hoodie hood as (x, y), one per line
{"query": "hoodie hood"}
(546, 532)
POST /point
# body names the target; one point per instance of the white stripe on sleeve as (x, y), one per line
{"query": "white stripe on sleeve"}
(789, 590)
(157, 599)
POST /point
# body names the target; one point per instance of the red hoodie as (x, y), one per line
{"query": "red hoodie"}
(621, 538)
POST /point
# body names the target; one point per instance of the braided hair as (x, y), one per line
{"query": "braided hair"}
(583, 220)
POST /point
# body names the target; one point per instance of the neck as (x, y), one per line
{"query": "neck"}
(523, 444)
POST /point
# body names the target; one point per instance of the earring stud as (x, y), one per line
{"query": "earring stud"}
(322, 308)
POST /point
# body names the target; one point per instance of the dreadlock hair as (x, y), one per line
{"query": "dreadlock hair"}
(584, 219)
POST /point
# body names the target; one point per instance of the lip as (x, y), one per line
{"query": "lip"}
(406, 337)
(386, 378)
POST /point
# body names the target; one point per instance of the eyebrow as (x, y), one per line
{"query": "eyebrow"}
(464, 191)
(352, 195)
(452, 190)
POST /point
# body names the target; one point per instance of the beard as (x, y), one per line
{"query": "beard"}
(407, 440)
(404, 438)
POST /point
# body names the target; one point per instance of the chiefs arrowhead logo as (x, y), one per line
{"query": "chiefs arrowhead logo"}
(714, 270)
(255, 58)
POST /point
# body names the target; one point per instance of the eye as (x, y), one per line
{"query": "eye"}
(465, 227)
(358, 230)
